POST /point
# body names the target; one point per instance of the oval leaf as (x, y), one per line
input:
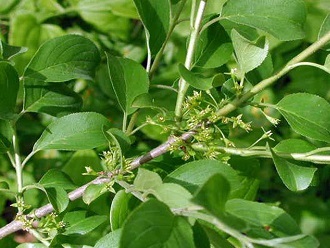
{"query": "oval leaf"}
(194, 79)
(282, 19)
(56, 178)
(128, 79)
(92, 192)
(85, 225)
(152, 224)
(9, 84)
(121, 206)
(189, 176)
(155, 16)
(249, 54)
(111, 240)
(74, 132)
(307, 115)
(214, 47)
(294, 177)
(58, 197)
(173, 195)
(64, 58)
(146, 180)
(214, 194)
(261, 215)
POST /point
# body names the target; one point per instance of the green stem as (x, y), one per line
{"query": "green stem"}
(19, 172)
(322, 67)
(265, 153)
(124, 122)
(28, 158)
(161, 86)
(228, 108)
(209, 23)
(132, 123)
(183, 86)
(159, 55)
(138, 128)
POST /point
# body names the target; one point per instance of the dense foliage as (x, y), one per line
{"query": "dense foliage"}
(164, 123)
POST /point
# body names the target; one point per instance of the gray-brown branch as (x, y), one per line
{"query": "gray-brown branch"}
(77, 193)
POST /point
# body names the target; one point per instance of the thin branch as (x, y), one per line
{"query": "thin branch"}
(159, 55)
(77, 193)
(265, 153)
(225, 110)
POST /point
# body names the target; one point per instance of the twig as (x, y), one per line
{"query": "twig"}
(77, 193)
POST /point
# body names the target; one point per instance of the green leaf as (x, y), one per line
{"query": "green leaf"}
(214, 194)
(75, 167)
(173, 195)
(128, 79)
(31, 245)
(310, 119)
(55, 99)
(64, 58)
(200, 236)
(282, 19)
(152, 224)
(121, 206)
(7, 52)
(294, 177)
(85, 225)
(74, 217)
(327, 62)
(56, 178)
(249, 54)
(304, 242)
(6, 135)
(58, 60)
(58, 197)
(111, 240)
(193, 175)
(73, 132)
(146, 180)
(293, 146)
(92, 192)
(214, 47)
(145, 100)
(106, 15)
(125, 8)
(195, 80)
(155, 16)
(7, 6)
(9, 84)
(325, 28)
(261, 215)
(27, 31)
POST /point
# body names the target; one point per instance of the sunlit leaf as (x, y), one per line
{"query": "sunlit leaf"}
(282, 19)
(310, 119)
(128, 79)
(73, 132)
(249, 54)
